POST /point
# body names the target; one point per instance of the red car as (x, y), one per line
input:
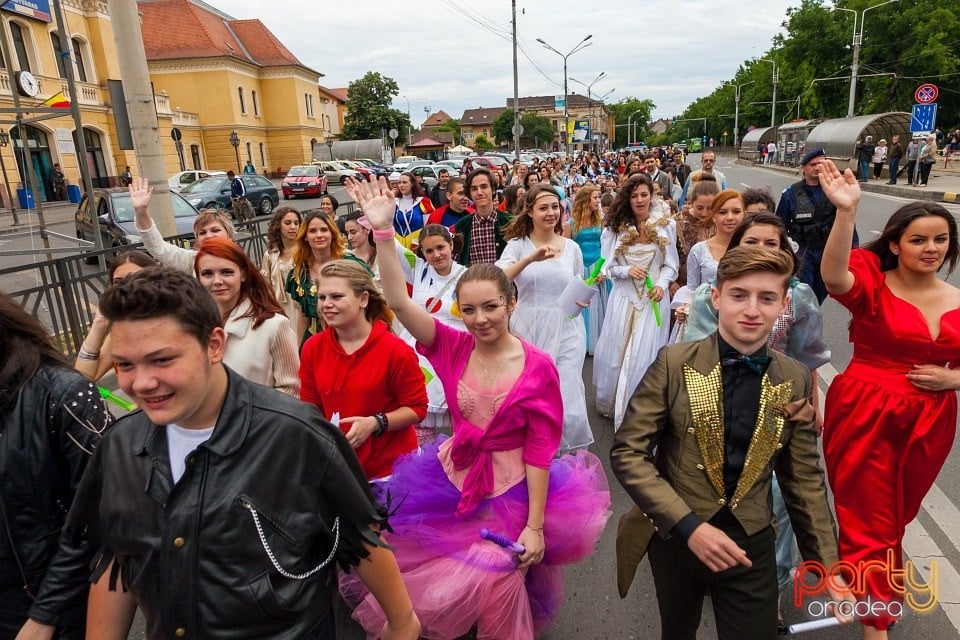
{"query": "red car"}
(304, 180)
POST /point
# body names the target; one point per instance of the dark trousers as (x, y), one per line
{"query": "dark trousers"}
(911, 169)
(877, 170)
(924, 172)
(893, 167)
(809, 273)
(864, 170)
(744, 599)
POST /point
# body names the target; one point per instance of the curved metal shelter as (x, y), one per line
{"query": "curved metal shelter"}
(792, 140)
(751, 141)
(839, 136)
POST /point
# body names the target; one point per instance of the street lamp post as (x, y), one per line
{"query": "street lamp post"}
(629, 118)
(4, 141)
(409, 117)
(604, 135)
(857, 42)
(589, 88)
(235, 143)
(736, 113)
(583, 44)
(330, 146)
(776, 79)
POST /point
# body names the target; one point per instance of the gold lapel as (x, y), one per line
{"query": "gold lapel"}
(705, 393)
(766, 434)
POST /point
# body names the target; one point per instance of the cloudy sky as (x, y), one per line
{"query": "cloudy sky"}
(456, 54)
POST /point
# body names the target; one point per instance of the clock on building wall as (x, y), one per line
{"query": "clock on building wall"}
(27, 85)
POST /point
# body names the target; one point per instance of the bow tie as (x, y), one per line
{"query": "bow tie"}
(757, 364)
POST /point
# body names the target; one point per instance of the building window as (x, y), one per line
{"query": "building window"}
(59, 54)
(250, 152)
(195, 156)
(20, 46)
(308, 101)
(263, 156)
(256, 105)
(78, 59)
(243, 103)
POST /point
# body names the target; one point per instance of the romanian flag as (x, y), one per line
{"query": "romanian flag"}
(58, 101)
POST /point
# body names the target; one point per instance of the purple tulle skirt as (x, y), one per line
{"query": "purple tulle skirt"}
(457, 580)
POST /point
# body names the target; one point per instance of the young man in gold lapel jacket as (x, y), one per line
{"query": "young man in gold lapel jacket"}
(704, 431)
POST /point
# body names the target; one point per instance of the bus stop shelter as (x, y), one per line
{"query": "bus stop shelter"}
(839, 136)
(792, 141)
(754, 141)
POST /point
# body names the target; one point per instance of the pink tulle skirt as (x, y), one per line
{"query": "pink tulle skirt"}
(457, 580)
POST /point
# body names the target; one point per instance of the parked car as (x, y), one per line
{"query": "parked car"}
(336, 173)
(115, 215)
(364, 171)
(377, 167)
(431, 173)
(304, 180)
(453, 165)
(490, 162)
(215, 192)
(184, 178)
(403, 162)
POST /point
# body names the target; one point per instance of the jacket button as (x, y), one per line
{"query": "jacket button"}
(179, 542)
(691, 430)
(701, 467)
(722, 501)
(180, 632)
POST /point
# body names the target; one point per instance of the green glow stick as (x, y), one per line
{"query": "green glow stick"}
(595, 272)
(656, 305)
(110, 396)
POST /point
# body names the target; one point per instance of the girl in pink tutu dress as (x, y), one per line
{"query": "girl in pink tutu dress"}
(497, 472)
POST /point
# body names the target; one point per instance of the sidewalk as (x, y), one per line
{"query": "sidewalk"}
(55, 214)
(943, 186)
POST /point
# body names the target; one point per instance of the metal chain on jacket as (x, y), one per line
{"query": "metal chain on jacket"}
(273, 558)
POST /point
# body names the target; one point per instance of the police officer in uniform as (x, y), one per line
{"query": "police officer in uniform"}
(808, 216)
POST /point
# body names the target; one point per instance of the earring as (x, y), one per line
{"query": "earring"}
(896, 253)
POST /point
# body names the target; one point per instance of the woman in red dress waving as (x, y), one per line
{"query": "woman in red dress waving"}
(891, 417)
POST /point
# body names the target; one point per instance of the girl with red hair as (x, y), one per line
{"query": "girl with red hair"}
(261, 345)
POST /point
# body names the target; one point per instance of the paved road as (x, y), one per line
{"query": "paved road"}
(592, 608)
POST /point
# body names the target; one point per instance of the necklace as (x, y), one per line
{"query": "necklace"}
(483, 368)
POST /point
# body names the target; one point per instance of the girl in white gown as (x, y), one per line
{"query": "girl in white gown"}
(634, 247)
(541, 262)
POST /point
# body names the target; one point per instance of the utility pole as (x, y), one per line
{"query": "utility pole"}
(776, 79)
(857, 43)
(516, 88)
(142, 109)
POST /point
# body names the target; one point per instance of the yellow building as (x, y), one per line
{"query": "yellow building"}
(579, 108)
(37, 48)
(214, 74)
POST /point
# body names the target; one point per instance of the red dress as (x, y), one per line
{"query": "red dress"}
(884, 440)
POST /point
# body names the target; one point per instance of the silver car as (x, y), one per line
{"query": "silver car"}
(336, 173)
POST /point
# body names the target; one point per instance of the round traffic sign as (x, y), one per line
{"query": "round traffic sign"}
(926, 93)
(394, 134)
(175, 134)
(517, 129)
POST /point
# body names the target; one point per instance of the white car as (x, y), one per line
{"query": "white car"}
(183, 179)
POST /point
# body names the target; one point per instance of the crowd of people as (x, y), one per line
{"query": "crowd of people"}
(352, 412)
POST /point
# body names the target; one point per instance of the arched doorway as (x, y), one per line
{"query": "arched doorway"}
(40, 159)
(92, 155)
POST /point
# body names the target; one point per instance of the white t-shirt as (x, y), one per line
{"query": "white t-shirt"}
(180, 442)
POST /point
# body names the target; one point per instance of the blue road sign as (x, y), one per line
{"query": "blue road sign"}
(924, 117)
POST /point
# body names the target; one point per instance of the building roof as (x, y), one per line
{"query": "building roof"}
(480, 116)
(340, 94)
(425, 142)
(174, 29)
(436, 119)
(530, 103)
(436, 137)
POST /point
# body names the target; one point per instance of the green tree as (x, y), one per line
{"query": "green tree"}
(482, 143)
(636, 111)
(452, 126)
(368, 109)
(502, 127)
(537, 129)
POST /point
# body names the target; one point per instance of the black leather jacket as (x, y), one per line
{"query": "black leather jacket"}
(48, 430)
(191, 554)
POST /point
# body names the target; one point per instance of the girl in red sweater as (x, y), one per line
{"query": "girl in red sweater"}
(360, 375)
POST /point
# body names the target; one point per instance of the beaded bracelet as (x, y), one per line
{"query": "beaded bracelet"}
(382, 424)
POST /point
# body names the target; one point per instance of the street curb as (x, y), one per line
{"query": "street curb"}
(911, 193)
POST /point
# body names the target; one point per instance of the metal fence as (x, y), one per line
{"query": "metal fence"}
(65, 291)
